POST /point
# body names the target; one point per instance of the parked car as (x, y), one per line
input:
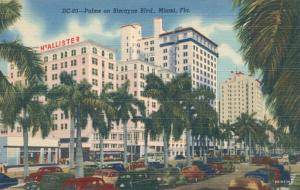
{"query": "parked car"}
(168, 176)
(217, 166)
(247, 184)
(284, 159)
(204, 167)
(108, 175)
(193, 173)
(6, 182)
(179, 157)
(89, 170)
(137, 180)
(155, 165)
(139, 165)
(285, 177)
(87, 183)
(265, 178)
(293, 159)
(32, 181)
(234, 158)
(53, 181)
(115, 166)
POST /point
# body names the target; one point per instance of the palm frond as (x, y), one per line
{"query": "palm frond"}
(10, 12)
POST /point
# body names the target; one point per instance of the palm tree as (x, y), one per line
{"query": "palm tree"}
(170, 110)
(26, 59)
(127, 106)
(102, 118)
(246, 126)
(149, 128)
(269, 34)
(227, 133)
(28, 112)
(63, 96)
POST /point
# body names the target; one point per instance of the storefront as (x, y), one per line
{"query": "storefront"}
(40, 151)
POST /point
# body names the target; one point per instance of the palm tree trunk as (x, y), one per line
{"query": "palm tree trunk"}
(79, 154)
(101, 149)
(228, 147)
(146, 148)
(166, 150)
(125, 139)
(25, 152)
(193, 147)
(188, 146)
(250, 146)
(71, 146)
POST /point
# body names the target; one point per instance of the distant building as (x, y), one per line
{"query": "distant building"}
(241, 93)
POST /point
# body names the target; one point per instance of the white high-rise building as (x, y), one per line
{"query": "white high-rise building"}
(241, 94)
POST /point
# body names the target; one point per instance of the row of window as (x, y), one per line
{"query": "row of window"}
(74, 52)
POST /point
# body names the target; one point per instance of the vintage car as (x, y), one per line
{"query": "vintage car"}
(32, 181)
(87, 183)
(137, 180)
(234, 158)
(53, 181)
(263, 160)
(115, 166)
(139, 165)
(168, 176)
(205, 168)
(285, 177)
(108, 175)
(179, 157)
(265, 178)
(193, 173)
(217, 166)
(6, 182)
(155, 165)
(247, 184)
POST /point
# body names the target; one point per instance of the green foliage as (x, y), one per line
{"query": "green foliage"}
(270, 36)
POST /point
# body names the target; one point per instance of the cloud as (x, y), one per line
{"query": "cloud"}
(207, 30)
(31, 29)
(226, 51)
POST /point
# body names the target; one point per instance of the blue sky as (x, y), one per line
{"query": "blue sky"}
(43, 21)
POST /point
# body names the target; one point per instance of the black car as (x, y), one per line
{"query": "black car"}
(137, 180)
(6, 182)
(179, 157)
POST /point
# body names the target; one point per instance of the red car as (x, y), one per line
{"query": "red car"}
(193, 173)
(38, 175)
(87, 183)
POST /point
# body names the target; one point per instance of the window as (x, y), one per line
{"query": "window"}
(142, 76)
(94, 72)
(66, 54)
(151, 48)
(103, 53)
(151, 59)
(95, 82)
(62, 55)
(111, 76)
(45, 68)
(94, 61)
(185, 61)
(134, 66)
(165, 50)
(165, 64)
(135, 75)
(73, 62)
(83, 71)
(83, 50)
(185, 46)
(54, 67)
(11, 75)
(185, 54)
(54, 57)
(94, 50)
(66, 64)
(152, 42)
(73, 52)
(111, 66)
(165, 58)
(54, 77)
(111, 56)
(46, 59)
(73, 73)
(83, 60)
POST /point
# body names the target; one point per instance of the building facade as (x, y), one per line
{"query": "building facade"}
(241, 93)
(164, 54)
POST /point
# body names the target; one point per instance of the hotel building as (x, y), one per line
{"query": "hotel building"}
(241, 93)
(164, 53)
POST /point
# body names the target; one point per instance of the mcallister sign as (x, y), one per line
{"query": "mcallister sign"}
(60, 43)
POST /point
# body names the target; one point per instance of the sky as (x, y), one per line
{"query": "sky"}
(44, 21)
